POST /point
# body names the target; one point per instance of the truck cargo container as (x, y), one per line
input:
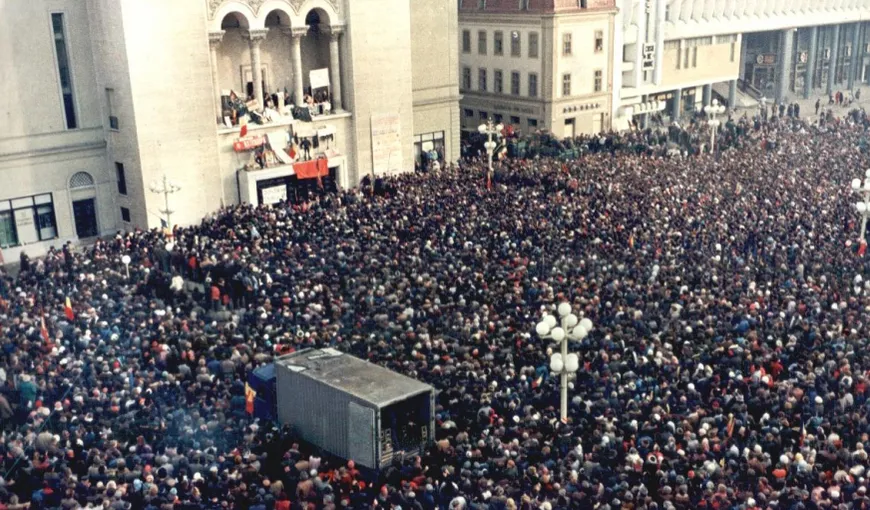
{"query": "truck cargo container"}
(352, 408)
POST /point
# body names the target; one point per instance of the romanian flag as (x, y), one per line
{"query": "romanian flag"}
(537, 382)
(44, 331)
(68, 310)
(250, 395)
(730, 429)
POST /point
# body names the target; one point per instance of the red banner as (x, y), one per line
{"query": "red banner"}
(248, 143)
(311, 169)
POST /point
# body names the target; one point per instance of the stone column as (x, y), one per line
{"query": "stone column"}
(296, 35)
(255, 38)
(784, 61)
(334, 66)
(678, 106)
(214, 40)
(835, 54)
(812, 55)
(853, 61)
(732, 94)
(706, 94)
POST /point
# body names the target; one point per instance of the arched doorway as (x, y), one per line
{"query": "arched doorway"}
(83, 193)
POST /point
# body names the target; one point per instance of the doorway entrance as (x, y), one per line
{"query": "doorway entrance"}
(85, 215)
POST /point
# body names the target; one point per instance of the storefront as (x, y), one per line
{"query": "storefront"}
(292, 183)
(27, 220)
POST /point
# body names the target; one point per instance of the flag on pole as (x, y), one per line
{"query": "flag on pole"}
(488, 181)
(244, 123)
(250, 395)
(631, 241)
(68, 310)
(44, 331)
(730, 429)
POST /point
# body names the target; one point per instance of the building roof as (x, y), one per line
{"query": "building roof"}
(535, 6)
(368, 382)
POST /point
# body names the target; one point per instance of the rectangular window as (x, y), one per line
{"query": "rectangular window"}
(566, 84)
(497, 82)
(63, 69)
(481, 42)
(524, 5)
(733, 51)
(466, 41)
(566, 44)
(686, 60)
(122, 178)
(695, 56)
(533, 123)
(599, 41)
(515, 120)
(667, 12)
(125, 215)
(498, 43)
(466, 78)
(469, 113)
(533, 45)
(515, 44)
(484, 115)
(110, 108)
(598, 80)
(515, 83)
(497, 118)
(533, 85)
(27, 220)
(481, 80)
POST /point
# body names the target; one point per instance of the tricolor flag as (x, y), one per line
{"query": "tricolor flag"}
(68, 310)
(803, 434)
(244, 123)
(44, 331)
(537, 382)
(250, 395)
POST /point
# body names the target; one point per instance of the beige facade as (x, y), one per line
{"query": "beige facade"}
(545, 67)
(146, 83)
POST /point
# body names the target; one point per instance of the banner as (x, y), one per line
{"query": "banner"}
(387, 146)
(319, 78)
(312, 169)
(274, 194)
(248, 143)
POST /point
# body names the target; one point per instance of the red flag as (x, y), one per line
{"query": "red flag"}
(68, 310)
(631, 241)
(44, 331)
(730, 429)
(862, 248)
(319, 182)
(250, 395)
(488, 181)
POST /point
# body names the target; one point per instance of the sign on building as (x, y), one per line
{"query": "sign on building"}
(386, 144)
(649, 59)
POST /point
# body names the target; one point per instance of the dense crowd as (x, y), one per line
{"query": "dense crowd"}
(728, 367)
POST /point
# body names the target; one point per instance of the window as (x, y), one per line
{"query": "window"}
(497, 118)
(515, 83)
(27, 220)
(429, 147)
(533, 85)
(122, 178)
(481, 42)
(533, 45)
(466, 78)
(599, 41)
(524, 5)
(598, 80)
(533, 123)
(498, 43)
(515, 44)
(667, 12)
(110, 108)
(469, 113)
(63, 70)
(566, 44)
(481, 4)
(686, 60)
(515, 120)
(695, 56)
(566, 84)
(466, 41)
(125, 215)
(484, 115)
(497, 85)
(481, 80)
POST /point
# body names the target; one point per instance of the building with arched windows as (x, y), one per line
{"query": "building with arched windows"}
(232, 100)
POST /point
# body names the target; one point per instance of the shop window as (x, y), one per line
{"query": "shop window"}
(27, 220)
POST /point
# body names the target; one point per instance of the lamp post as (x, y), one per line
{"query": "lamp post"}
(568, 327)
(166, 188)
(863, 207)
(126, 261)
(490, 130)
(712, 110)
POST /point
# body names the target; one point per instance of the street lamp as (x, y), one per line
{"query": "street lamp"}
(712, 110)
(569, 327)
(490, 129)
(165, 188)
(863, 207)
(126, 261)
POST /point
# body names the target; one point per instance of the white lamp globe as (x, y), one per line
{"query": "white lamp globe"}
(558, 334)
(571, 320)
(482, 128)
(867, 173)
(125, 259)
(550, 320)
(564, 309)
(499, 128)
(572, 363)
(556, 364)
(861, 206)
(580, 332)
(856, 184)
(586, 324)
(542, 329)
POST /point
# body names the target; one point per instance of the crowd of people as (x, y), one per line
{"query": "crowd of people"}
(727, 369)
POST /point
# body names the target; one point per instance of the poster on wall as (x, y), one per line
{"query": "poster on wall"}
(386, 144)
(274, 194)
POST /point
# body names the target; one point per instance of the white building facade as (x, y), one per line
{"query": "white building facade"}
(111, 95)
(537, 64)
(675, 56)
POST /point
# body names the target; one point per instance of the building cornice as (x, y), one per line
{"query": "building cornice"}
(51, 151)
(453, 98)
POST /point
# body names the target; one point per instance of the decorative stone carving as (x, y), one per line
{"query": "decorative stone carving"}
(215, 38)
(255, 6)
(256, 36)
(213, 7)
